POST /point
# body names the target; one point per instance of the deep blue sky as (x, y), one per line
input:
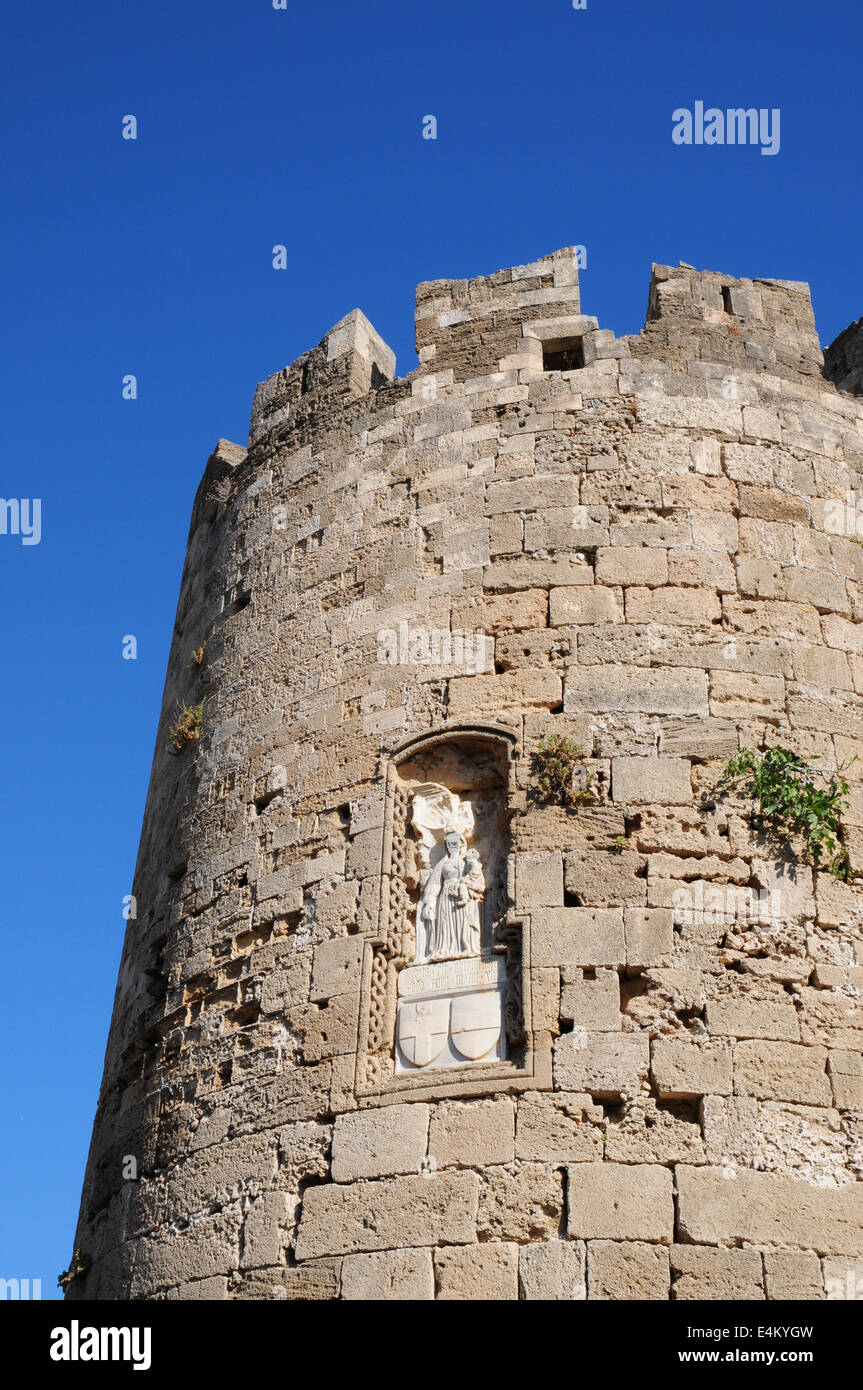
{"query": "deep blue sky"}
(301, 127)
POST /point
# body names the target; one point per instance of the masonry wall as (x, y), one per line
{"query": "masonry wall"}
(650, 540)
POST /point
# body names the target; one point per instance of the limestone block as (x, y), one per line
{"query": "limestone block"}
(752, 1018)
(472, 1133)
(592, 1003)
(580, 606)
(497, 613)
(552, 1270)
(682, 1069)
(636, 691)
(792, 1275)
(343, 1219)
(486, 1273)
(337, 968)
(649, 935)
(624, 564)
(700, 1272)
(555, 1128)
(599, 877)
(704, 569)
(769, 1209)
(538, 881)
(327, 1030)
(631, 1202)
(782, 1071)
(657, 781)
(388, 1276)
(675, 606)
(771, 504)
(846, 1077)
(521, 1205)
(470, 696)
(578, 936)
(757, 578)
(621, 1270)
(264, 1235)
(605, 1065)
(826, 592)
(379, 1143)
(839, 904)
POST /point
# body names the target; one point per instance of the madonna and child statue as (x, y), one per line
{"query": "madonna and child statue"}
(449, 916)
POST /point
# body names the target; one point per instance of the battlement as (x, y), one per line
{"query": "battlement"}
(527, 319)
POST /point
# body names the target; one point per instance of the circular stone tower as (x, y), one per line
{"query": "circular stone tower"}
(458, 969)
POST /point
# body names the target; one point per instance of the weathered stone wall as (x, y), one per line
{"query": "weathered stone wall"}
(650, 540)
(843, 360)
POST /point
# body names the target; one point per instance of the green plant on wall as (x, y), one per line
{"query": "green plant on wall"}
(792, 796)
(187, 727)
(77, 1269)
(560, 776)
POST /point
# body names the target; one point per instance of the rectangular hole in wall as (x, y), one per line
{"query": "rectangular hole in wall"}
(563, 355)
(726, 299)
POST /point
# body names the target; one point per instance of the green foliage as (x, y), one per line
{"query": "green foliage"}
(788, 797)
(560, 775)
(197, 657)
(81, 1263)
(621, 842)
(187, 728)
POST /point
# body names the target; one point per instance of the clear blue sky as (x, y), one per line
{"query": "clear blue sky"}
(299, 126)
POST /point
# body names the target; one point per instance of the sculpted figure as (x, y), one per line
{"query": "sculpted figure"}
(450, 906)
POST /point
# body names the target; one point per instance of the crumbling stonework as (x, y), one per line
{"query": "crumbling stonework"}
(388, 1024)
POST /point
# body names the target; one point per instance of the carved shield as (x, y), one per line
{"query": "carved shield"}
(423, 1029)
(476, 1023)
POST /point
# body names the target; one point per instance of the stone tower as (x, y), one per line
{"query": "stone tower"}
(418, 1003)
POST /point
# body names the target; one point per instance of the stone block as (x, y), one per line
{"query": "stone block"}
(487, 1273)
(379, 1143)
(846, 1078)
(657, 781)
(592, 1003)
(472, 1134)
(782, 1071)
(627, 1270)
(649, 935)
(792, 1275)
(584, 606)
(538, 881)
(609, 690)
(343, 1219)
(676, 607)
(683, 1069)
(556, 1128)
(520, 1206)
(768, 1209)
(597, 877)
(552, 1271)
(337, 968)
(624, 564)
(388, 1276)
(752, 1018)
(607, 1064)
(578, 936)
(702, 1273)
(631, 1202)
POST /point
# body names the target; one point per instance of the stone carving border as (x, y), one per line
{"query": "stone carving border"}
(384, 953)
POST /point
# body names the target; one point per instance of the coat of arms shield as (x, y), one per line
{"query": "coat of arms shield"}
(476, 1022)
(423, 1029)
